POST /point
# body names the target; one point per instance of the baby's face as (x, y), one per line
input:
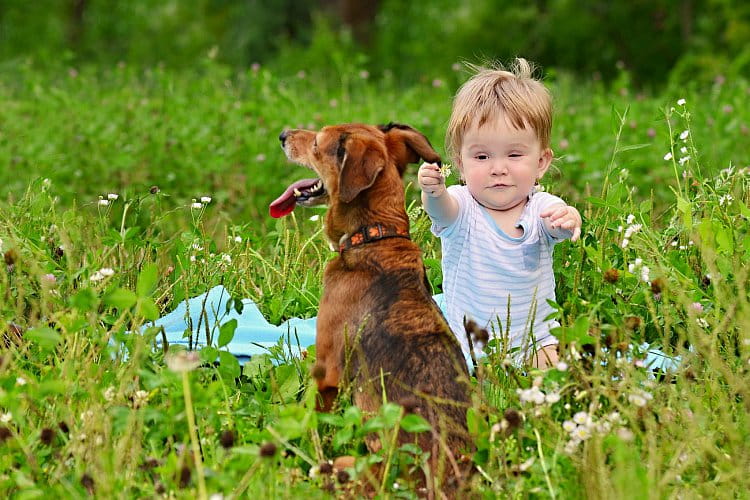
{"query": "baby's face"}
(501, 164)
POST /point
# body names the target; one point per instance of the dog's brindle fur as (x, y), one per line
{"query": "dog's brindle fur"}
(376, 297)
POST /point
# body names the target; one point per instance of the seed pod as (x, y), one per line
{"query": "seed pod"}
(342, 477)
(88, 483)
(227, 438)
(268, 450)
(47, 436)
(611, 275)
(513, 418)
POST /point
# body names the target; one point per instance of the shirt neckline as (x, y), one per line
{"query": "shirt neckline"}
(522, 222)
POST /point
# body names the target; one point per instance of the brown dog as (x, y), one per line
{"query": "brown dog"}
(378, 326)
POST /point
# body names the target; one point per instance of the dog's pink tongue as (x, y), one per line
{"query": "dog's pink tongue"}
(284, 204)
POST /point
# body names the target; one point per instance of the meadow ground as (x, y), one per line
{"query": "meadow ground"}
(127, 190)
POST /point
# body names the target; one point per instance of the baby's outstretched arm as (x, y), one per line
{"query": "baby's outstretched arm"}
(437, 202)
(562, 217)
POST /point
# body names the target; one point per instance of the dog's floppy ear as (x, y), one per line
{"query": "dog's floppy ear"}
(363, 160)
(407, 145)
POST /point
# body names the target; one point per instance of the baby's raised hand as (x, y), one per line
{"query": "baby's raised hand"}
(563, 217)
(431, 180)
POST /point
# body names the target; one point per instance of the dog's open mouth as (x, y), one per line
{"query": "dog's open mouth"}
(306, 192)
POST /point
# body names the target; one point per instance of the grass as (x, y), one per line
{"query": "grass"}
(86, 406)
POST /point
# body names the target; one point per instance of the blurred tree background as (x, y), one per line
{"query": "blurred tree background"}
(657, 41)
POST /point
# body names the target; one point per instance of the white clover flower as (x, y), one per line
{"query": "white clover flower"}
(103, 202)
(625, 242)
(726, 199)
(619, 229)
(569, 426)
(681, 102)
(603, 427)
(6, 418)
(102, 273)
(445, 170)
(674, 243)
(538, 397)
(552, 398)
(192, 258)
(20, 381)
(183, 361)
(581, 433)
(315, 218)
(702, 322)
(630, 219)
(109, 394)
(684, 135)
(226, 258)
(614, 417)
(640, 398)
(668, 156)
(196, 205)
(684, 160)
(140, 398)
(562, 366)
(112, 196)
(238, 239)
(645, 272)
(206, 199)
(570, 446)
(581, 417)
(683, 149)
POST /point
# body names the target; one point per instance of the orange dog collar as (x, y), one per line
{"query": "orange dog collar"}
(372, 232)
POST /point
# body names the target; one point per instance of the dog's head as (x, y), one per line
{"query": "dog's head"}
(359, 168)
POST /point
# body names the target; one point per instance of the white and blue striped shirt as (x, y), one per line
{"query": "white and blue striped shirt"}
(484, 269)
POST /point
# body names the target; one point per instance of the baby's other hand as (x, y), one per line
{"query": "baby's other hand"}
(430, 180)
(563, 217)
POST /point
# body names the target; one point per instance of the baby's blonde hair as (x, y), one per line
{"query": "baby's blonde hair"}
(524, 100)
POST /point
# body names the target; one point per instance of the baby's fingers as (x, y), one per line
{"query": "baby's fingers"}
(554, 212)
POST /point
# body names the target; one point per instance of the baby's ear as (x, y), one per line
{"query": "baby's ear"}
(545, 160)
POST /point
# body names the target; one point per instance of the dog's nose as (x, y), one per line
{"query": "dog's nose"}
(283, 136)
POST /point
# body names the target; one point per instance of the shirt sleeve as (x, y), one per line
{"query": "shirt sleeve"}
(461, 195)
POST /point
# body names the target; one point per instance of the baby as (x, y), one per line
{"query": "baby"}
(497, 229)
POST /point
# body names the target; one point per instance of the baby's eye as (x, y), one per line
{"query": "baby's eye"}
(515, 155)
(481, 156)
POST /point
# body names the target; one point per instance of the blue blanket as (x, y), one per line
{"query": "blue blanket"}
(255, 335)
